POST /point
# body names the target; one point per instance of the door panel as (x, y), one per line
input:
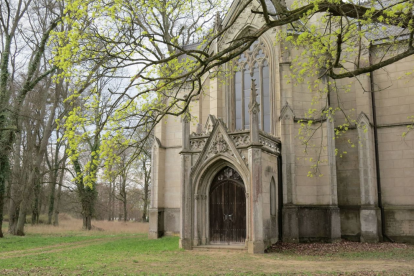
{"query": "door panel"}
(227, 211)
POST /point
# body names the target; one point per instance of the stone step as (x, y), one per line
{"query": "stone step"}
(220, 246)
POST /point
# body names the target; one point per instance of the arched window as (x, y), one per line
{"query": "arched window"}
(252, 64)
(272, 197)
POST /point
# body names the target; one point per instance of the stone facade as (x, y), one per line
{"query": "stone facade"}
(359, 196)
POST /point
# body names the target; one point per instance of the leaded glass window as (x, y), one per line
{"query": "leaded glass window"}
(252, 64)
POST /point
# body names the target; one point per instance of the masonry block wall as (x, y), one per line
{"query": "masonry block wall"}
(341, 199)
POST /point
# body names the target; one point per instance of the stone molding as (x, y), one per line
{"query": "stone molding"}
(241, 140)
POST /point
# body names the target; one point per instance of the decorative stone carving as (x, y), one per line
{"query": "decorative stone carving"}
(208, 127)
(253, 105)
(220, 142)
(228, 173)
(241, 140)
(197, 144)
(256, 55)
(219, 145)
(272, 145)
(287, 112)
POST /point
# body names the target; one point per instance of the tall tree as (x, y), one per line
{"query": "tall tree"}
(43, 16)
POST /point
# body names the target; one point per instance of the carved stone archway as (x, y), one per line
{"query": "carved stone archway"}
(202, 199)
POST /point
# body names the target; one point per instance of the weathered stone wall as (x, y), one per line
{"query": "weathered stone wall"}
(171, 219)
(314, 190)
(269, 172)
(400, 223)
(349, 193)
(395, 102)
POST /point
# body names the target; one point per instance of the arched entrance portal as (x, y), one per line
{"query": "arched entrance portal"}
(227, 204)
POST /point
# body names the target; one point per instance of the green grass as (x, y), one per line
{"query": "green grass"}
(10, 243)
(85, 253)
(70, 257)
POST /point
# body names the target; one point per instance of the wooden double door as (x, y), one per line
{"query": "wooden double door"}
(227, 209)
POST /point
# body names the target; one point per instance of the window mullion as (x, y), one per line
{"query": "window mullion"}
(242, 97)
(261, 97)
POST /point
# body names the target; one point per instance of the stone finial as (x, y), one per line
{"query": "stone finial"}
(254, 114)
(186, 118)
(253, 105)
(199, 129)
(211, 121)
(217, 23)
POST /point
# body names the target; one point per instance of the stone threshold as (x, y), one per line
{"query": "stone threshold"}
(221, 246)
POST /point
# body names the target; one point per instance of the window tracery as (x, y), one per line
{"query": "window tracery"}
(252, 64)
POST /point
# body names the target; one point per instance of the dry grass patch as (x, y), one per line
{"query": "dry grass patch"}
(68, 224)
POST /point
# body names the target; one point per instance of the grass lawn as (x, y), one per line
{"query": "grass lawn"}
(123, 249)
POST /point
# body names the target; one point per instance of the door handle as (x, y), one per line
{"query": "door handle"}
(228, 217)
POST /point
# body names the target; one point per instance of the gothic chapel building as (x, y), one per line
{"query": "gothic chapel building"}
(238, 175)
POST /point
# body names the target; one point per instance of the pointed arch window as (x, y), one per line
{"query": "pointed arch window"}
(252, 64)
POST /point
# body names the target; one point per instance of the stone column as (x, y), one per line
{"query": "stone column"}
(216, 94)
(156, 223)
(203, 218)
(186, 190)
(285, 73)
(290, 211)
(369, 212)
(334, 213)
(255, 244)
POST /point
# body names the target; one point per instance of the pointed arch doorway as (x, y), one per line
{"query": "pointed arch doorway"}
(227, 208)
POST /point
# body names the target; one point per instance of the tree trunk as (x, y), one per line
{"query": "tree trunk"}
(6, 136)
(27, 192)
(36, 201)
(59, 192)
(87, 222)
(146, 191)
(125, 210)
(124, 195)
(110, 202)
(53, 179)
(113, 202)
(19, 229)
(13, 215)
(4, 168)
(120, 208)
(17, 176)
(88, 202)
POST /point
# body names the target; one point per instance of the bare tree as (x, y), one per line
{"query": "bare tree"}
(42, 17)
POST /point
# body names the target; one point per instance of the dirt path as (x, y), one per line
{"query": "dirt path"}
(54, 248)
